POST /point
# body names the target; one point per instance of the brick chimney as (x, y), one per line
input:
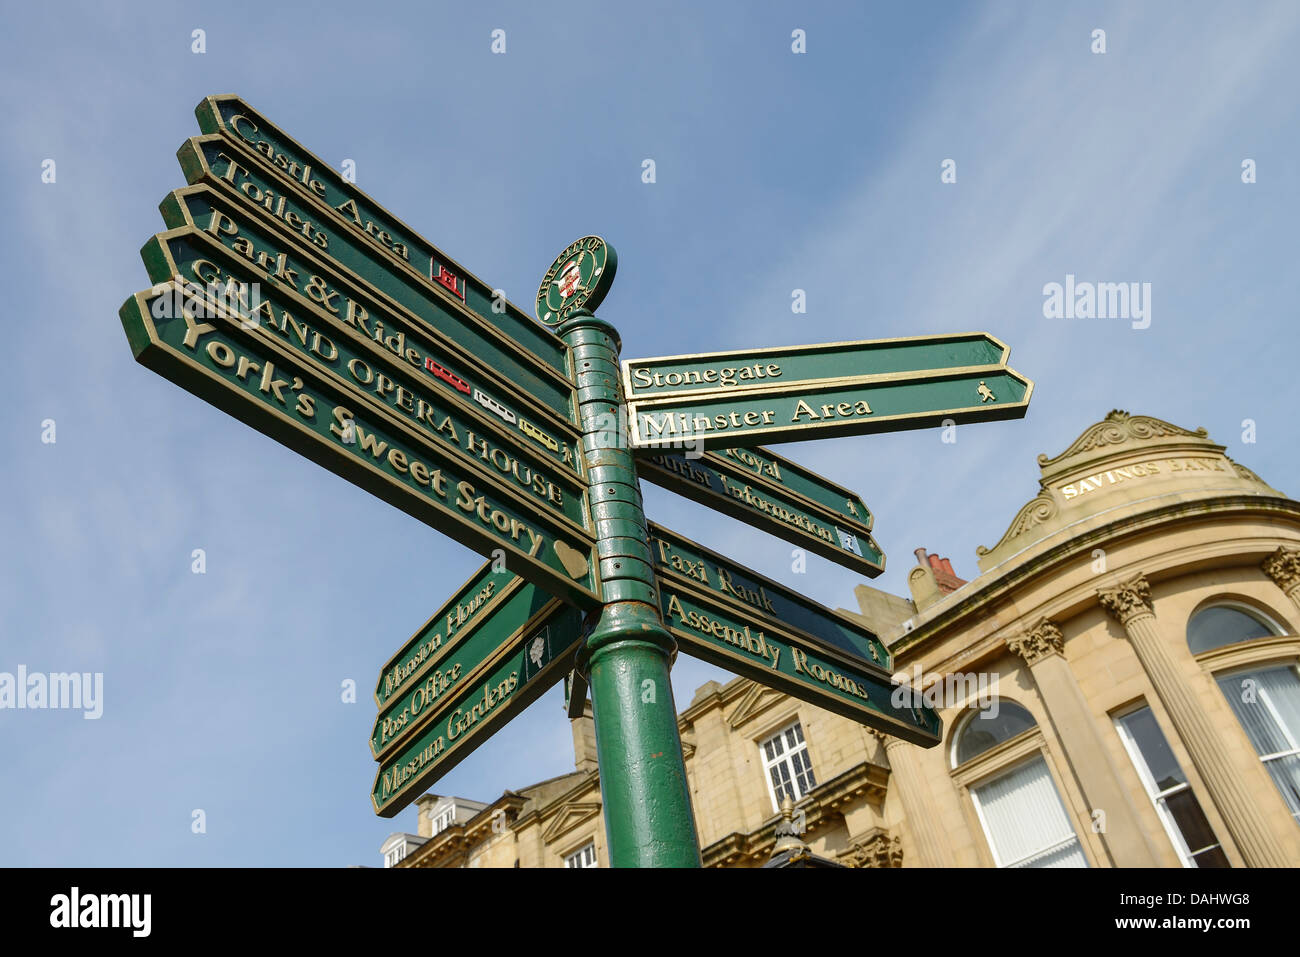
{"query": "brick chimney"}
(931, 579)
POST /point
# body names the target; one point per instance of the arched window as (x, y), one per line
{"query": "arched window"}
(1221, 625)
(1024, 820)
(983, 732)
(1266, 700)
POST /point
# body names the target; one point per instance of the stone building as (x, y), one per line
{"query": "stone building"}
(1118, 686)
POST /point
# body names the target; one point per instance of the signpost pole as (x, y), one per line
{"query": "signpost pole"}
(647, 805)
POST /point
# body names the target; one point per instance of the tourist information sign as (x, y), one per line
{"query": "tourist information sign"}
(249, 371)
(794, 394)
(775, 495)
(732, 617)
(485, 656)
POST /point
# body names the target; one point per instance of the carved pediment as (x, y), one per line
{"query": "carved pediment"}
(753, 703)
(570, 816)
(1118, 428)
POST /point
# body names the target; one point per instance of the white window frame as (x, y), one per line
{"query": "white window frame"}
(1158, 797)
(988, 836)
(576, 859)
(1266, 700)
(396, 854)
(800, 792)
(442, 821)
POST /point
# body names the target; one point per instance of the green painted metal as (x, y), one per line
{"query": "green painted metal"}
(459, 615)
(507, 683)
(333, 265)
(249, 372)
(738, 371)
(577, 281)
(732, 617)
(758, 487)
(645, 796)
(389, 367)
(719, 633)
(456, 656)
(794, 413)
(762, 599)
(799, 481)
(310, 176)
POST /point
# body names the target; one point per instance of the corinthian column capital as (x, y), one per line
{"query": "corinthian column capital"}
(1283, 566)
(1044, 639)
(1127, 600)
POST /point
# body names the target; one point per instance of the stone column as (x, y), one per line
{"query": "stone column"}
(1283, 566)
(1126, 841)
(931, 849)
(1129, 603)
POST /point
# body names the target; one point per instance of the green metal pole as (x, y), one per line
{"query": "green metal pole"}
(647, 803)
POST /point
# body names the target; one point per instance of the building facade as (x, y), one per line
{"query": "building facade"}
(1119, 686)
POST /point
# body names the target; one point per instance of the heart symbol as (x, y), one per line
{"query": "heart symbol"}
(574, 561)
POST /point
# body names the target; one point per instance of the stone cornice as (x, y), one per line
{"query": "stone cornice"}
(1283, 566)
(1043, 639)
(819, 807)
(1012, 576)
(1127, 600)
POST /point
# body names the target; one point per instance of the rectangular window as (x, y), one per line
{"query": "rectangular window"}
(787, 766)
(443, 821)
(583, 857)
(394, 857)
(1167, 786)
(1025, 821)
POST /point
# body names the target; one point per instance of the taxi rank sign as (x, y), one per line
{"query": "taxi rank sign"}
(289, 298)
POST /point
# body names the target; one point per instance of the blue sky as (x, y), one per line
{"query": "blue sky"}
(774, 171)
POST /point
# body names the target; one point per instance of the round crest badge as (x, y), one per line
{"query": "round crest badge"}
(578, 279)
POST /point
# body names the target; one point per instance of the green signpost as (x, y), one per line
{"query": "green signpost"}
(678, 559)
(255, 139)
(771, 493)
(349, 275)
(823, 363)
(451, 649)
(504, 683)
(417, 373)
(293, 301)
(823, 410)
(250, 373)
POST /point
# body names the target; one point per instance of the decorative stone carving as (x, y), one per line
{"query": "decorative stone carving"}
(1044, 639)
(878, 850)
(1034, 512)
(1127, 600)
(1117, 427)
(1283, 566)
